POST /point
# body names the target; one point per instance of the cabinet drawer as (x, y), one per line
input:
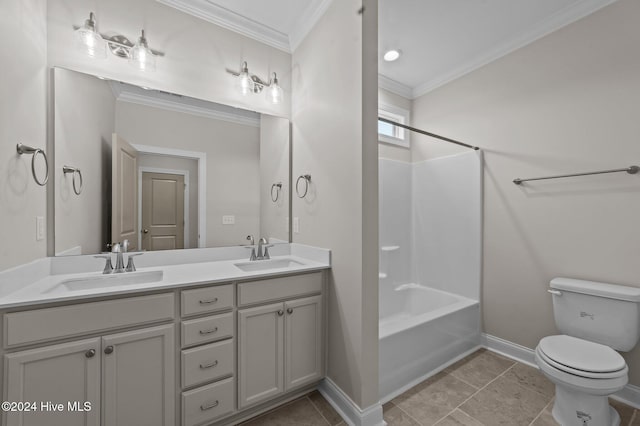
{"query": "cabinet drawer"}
(65, 321)
(279, 288)
(207, 363)
(210, 299)
(207, 329)
(204, 404)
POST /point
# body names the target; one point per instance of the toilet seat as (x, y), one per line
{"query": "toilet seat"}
(581, 358)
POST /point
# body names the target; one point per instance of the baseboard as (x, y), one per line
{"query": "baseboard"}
(349, 410)
(630, 395)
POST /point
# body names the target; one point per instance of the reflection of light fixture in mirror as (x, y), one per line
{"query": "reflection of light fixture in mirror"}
(141, 57)
(248, 82)
(392, 55)
(274, 92)
(89, 39)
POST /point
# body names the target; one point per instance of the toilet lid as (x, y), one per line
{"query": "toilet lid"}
(582, 355)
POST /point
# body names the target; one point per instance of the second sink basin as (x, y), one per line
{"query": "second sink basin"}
(106, 281)
(263, 265)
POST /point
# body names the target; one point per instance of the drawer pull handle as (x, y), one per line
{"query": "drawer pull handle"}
(205, 366)
(209, 302)
(205, 332)
(209, 406)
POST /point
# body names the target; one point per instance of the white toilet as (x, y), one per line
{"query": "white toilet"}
(594, 319)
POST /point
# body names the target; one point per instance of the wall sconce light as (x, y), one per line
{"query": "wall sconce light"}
(248, 82)
(139, 55)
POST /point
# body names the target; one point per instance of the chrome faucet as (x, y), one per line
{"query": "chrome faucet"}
(117, 249)
(263, 255)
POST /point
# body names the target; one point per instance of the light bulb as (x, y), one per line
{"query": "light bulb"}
(392, 55)
(89, 39)
(141, 56)
(244, 80)
(274, 92)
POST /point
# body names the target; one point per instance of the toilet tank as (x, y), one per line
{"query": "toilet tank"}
(604, 313)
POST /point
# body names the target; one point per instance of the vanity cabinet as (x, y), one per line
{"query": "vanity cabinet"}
(279, 344)
(130, 375)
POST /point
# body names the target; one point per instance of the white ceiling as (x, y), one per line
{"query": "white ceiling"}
(279, 23)
(441, 40)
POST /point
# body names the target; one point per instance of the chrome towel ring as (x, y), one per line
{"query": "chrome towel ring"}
(75, 172)
(307, 181)
(24, 149)
(277, 187)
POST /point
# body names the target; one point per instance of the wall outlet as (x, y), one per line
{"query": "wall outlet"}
(40, 228)
(296, 225)
(228, 220)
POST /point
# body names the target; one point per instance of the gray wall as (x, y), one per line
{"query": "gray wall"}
(568, 102)
(84, 123)
(22, 119)
(334, 111)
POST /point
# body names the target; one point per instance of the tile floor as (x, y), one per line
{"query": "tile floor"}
(483, 389)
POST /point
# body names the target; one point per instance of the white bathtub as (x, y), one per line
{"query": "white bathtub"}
(421, 331)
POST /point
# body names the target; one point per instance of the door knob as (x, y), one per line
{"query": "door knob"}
(108, 350)
(145, 231)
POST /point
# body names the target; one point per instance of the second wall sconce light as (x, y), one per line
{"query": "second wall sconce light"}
(89, 39)
(250, 83)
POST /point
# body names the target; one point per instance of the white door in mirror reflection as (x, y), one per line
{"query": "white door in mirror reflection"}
(124, 184)
(162, 211)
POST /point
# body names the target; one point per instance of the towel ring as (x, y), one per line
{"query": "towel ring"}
(307, 180)
(278, 187)
(24, 149)
(76, 172)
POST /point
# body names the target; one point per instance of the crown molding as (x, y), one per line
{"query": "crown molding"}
(396, 87)
(232, 21)
(562, 18)
(168, 105)
(307, 22)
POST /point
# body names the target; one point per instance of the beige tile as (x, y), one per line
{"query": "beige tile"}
(531, 378)
(480, 368)
(325, 408)
(458, 418)
(546, 418)
(505, 402)
(394, 416)
(626, 412)
(434, 399)
(298, 413)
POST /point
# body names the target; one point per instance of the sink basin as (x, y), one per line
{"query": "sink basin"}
(106, 281)
(265, 265)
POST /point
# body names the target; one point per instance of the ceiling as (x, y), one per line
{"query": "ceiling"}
(440, 40)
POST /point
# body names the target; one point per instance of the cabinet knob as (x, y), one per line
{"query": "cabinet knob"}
(280, 313)
(145, 231)
(90, 353)
(289, 311)
(108, 350)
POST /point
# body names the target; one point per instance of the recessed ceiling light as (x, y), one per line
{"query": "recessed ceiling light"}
(392, 55)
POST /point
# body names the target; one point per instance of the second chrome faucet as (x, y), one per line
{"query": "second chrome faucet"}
(262, 245)
(119, 249)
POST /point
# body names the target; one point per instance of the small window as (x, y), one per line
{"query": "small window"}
(388, 133)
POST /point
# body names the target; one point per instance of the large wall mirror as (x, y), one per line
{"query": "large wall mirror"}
(163, 171)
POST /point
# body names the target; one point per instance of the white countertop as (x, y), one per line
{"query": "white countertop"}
(39, 290)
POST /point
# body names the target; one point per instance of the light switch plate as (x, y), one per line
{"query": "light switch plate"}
(40, 230)
(296, 225)
(228, 220)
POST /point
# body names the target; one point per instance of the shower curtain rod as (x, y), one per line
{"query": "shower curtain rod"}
(423, 132)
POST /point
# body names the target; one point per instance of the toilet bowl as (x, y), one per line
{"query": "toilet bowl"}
(596, 319)
(585, 374)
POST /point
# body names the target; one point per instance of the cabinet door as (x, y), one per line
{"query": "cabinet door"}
(62, 374)
(138, 377)
(261, 353)
(303, 341)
